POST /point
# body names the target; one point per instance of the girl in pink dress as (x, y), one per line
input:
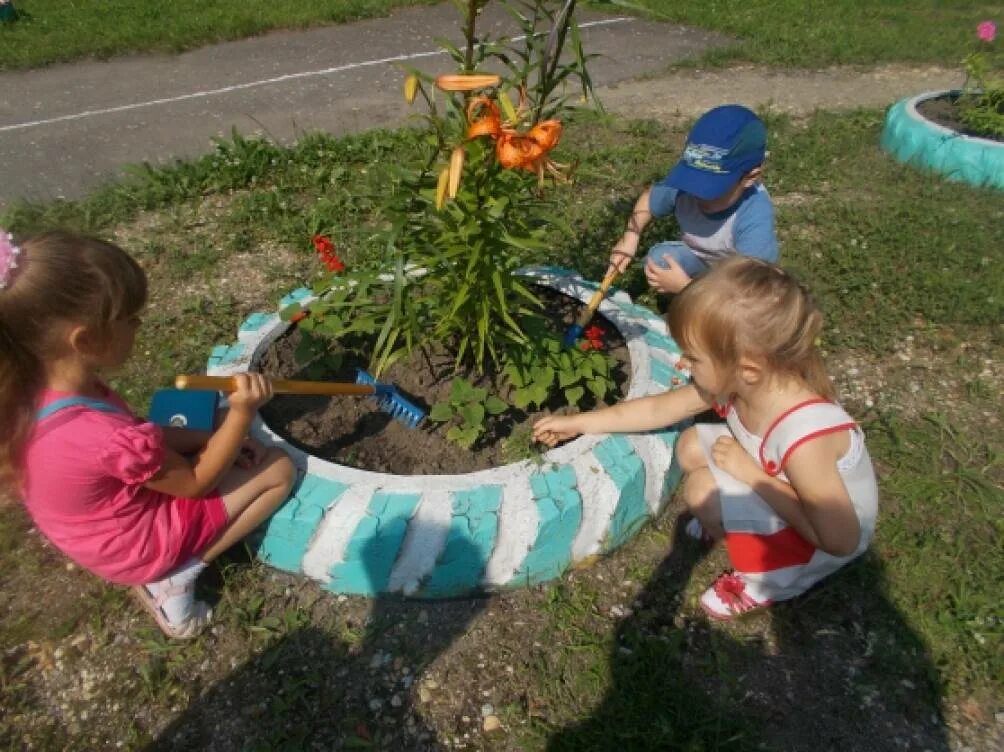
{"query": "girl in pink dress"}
(786, 481)
(136, 504)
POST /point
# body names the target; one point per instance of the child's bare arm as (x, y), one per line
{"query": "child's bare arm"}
(642, 414)
(627, 246)
(812, 470)
(195, 478)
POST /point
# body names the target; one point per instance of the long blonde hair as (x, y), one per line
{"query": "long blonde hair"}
(747, 307)
(60, 278)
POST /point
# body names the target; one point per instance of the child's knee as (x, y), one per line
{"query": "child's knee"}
(689, 452)
(282, 470)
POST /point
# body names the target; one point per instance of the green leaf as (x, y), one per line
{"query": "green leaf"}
(567, 378)
(495, 406)
(574, 394)
(598, 387)
(441, 412)
(539, 394)
(521, 398)
(473, 414)
(290, 311)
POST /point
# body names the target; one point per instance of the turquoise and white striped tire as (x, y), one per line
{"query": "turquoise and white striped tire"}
(912, 138)
(431, 536)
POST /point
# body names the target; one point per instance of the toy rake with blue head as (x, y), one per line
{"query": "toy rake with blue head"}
(387, 396)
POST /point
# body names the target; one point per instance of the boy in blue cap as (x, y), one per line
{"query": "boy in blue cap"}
(718, 200)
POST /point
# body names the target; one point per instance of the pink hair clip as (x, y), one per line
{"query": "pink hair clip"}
(8, 258)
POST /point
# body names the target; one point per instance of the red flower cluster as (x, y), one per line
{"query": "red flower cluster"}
(326, 251)
(594, 338)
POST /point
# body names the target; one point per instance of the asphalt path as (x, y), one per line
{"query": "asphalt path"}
(66, 129)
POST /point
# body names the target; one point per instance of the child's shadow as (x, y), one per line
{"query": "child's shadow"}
(839, 669)
(311, 689)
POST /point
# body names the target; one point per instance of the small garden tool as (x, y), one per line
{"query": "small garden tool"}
(575, 330)
(388, 397)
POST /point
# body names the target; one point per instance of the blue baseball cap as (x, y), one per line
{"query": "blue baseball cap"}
(724, 144)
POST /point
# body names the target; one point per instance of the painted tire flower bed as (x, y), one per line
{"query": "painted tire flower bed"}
(430, 536)
(912, 138)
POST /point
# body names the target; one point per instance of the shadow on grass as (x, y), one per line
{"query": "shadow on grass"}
(315, 689)
(836, 669)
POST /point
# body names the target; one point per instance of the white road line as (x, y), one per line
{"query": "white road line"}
(262, 82)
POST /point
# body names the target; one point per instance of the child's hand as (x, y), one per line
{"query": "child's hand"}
(253, 391)
(733, 459)
(555, 428)
(669, 280)
(252, 453)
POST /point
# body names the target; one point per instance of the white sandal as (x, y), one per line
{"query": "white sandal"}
(199, 616)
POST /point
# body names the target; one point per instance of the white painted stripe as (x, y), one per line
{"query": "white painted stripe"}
(335, 531)
(600, 496)
(423, 543)
(255, 84)
(517, 531)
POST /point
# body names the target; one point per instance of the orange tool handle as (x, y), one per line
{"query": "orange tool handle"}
(279, 386)
(597, 298)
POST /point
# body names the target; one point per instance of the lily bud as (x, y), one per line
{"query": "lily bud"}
(410, 88)
(467, 81)
(441, 186)
(456, 168)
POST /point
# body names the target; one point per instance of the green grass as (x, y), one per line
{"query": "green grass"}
(770, 32)
(891, 252)
(51, 31)
(815, 33)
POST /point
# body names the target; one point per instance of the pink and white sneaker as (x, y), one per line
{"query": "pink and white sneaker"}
(727, 598)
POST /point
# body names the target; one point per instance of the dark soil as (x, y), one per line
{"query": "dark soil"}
(944, 111)
(354, 431)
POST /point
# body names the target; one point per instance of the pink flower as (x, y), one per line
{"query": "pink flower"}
(987, 31)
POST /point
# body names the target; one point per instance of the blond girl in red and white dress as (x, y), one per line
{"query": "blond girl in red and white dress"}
(786, 481)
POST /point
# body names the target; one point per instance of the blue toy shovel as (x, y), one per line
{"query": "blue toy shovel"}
(576, 329)
(388, 397)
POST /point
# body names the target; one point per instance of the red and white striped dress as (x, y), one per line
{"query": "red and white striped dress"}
(776, 562)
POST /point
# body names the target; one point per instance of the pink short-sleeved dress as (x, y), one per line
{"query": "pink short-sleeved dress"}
(83, 486)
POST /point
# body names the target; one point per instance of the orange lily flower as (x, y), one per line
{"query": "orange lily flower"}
(467, 81)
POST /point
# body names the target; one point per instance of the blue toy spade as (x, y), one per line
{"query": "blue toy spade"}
(576, 329)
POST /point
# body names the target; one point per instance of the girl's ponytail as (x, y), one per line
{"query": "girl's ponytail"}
(20, 375)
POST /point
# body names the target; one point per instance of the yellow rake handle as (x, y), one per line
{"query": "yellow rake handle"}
(279, 386)
(597, 298)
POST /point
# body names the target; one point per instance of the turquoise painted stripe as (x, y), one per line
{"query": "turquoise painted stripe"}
(559, 509)
(627, 471)
(256, 321)
(469, 543)
(660, 373)
(295, 296)
(370, 555)
(221, 355)
(289, 531)
(640, 311)
(661, 341)
(556, 271)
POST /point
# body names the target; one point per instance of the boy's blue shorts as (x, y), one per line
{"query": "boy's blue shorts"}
(679, 252)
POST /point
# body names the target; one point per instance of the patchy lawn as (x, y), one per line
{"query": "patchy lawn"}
(900, 651)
